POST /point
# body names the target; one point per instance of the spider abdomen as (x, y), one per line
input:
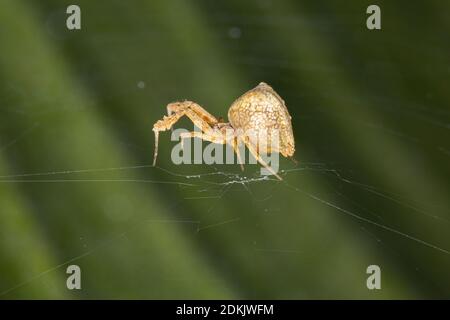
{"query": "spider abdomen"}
(262, 110)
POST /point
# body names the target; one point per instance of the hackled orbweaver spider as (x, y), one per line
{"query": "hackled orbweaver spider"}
(260, 111)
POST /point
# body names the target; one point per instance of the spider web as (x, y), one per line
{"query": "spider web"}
(215, 186)
(211, 186)
(328, 212)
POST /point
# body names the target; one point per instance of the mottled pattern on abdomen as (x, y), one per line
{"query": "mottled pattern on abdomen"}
(262, 109)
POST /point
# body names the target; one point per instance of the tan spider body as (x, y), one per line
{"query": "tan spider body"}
(260, 111)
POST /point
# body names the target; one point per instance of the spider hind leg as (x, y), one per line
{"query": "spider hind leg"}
(255, 153)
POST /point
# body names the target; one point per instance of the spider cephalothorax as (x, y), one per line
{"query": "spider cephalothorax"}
(259, 112)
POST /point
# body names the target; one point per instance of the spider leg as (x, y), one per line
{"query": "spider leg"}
(235, 145)
(211, 137)
(181, 106)
(255, 153)
(177, 110)
(162, 125)
(177, 107)
(214, 138)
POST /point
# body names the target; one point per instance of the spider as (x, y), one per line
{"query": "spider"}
(259, 110)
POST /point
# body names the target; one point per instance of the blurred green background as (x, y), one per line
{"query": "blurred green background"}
(370, 117)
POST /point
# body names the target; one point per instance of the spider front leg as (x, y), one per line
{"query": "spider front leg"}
(178, 107)
(199, 116)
